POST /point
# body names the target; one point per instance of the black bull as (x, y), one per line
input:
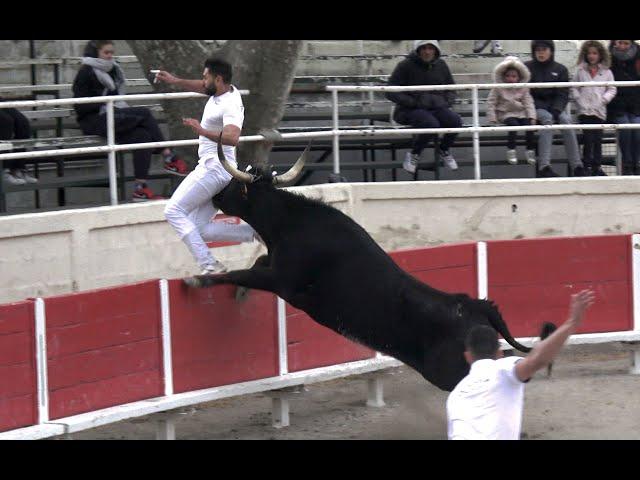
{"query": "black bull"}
(324, 263)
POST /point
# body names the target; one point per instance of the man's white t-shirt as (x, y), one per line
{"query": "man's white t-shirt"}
(220, 111)
(487, 404)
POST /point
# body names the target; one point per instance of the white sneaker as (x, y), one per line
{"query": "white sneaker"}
(531, 157)
(212, 269)
(25, 176)
(410, 162)
(448, 160)
(12, 179)
(496, 47)
(511, 157)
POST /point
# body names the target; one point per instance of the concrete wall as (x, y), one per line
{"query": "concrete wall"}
(76, 250)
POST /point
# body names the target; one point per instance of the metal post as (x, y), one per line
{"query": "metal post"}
(336, 137)
(280, 412)
(282, 337)
(111, 140)
(476, 134)
(635, 360)
(375, 397)
(165, 429)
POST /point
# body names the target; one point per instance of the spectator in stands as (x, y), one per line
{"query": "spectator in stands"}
(513, 106)
(480, 45)
(101, 75)
(550, 107)
(625, 107)
(591, 102)
(430, 109)
(14, 125)
(190, 211)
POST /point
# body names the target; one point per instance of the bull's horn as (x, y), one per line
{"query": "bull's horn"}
(294, 171)
(233, 171)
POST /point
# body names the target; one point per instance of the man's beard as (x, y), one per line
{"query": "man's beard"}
(211, 91)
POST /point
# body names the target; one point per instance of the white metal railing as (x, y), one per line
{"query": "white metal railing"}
(111, 148)
(475, 129)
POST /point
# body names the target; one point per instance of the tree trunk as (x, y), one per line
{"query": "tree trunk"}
(265, 67)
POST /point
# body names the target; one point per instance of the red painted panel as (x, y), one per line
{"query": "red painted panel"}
(450, 268)
(102, 339)
(16, 348)
(224, 219)
(86, 397)
(18, 383)
(531, 281)
(430, 258)
(311, 345)
(18, 412)
(567, 259)
(219, 341)
(95, 365)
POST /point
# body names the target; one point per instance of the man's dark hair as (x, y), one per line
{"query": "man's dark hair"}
(217, 66)
(482, 342)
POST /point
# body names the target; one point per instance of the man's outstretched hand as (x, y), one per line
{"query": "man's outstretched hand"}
(580, 302)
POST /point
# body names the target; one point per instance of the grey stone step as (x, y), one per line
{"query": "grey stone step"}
(355, 47)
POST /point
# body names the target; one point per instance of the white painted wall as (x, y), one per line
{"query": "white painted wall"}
(50, 253)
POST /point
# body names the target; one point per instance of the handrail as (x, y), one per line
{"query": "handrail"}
(111, 147)
(475, 129)
(105, 99)
(471, 86)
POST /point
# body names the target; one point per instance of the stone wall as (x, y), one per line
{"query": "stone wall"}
(74, 250)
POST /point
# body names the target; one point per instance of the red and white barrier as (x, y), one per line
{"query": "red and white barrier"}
(77, 361)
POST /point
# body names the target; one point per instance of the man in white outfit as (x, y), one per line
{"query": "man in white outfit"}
(190, 210)
(487, 404)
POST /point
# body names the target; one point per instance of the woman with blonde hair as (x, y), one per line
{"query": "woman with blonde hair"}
(591, 101)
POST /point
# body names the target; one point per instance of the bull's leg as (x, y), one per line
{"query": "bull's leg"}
(260, 278)
(242, 292)
(262, 261)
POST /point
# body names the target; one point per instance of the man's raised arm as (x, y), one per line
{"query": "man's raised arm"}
(196, 86)
(545, 351)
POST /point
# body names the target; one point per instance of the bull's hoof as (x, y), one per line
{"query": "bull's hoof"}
(193, 282)
(241, 294)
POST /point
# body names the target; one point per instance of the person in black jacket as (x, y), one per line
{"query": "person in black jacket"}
(14, 125)
(427, 109)
(625, 107)
(550, 107)
(101, 75)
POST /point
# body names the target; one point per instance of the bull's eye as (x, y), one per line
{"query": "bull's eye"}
(459, 310)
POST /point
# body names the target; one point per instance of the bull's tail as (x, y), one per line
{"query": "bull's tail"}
(496, 321)
(547, 329)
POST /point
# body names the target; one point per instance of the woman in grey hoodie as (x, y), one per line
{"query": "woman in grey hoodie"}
(591, 102)
(513, 106)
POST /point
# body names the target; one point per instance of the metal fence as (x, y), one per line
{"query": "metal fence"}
(475, 129)
(111, 148)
